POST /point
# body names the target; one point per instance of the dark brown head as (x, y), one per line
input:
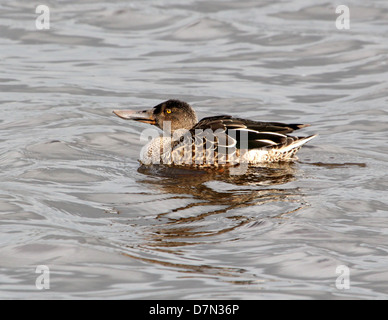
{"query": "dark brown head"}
(176, 113)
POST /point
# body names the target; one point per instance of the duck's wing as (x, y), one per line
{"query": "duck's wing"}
(221, 140)
(243, 133)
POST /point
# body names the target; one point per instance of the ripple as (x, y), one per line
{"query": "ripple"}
(74, 196)
(204, 29)
(127, 19)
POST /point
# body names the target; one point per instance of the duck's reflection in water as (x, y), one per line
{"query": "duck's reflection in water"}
(189, 213)
(218, 202)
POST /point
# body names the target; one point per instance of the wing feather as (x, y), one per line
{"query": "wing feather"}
(225, 133)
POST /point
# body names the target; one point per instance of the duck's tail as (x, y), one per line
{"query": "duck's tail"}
(297, 143)
(288, 151)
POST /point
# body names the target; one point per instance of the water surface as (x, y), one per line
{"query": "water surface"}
(74, 197)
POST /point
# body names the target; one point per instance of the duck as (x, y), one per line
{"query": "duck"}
(216, 141)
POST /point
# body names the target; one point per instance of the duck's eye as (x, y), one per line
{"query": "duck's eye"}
(168, 110)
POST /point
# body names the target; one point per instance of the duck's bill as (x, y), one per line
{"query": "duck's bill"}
(141, 116)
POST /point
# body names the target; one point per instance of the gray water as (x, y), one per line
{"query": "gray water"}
(74, 198)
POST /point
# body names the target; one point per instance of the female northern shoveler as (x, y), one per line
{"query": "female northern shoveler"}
(213, 141)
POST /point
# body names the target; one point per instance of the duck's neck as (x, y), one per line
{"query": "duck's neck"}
(177, 134)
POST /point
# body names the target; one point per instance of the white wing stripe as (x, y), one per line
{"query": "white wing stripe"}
(267, 141)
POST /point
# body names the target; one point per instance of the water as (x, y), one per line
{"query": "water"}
(74, 198)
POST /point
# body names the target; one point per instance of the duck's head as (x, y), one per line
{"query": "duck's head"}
(174, 113)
